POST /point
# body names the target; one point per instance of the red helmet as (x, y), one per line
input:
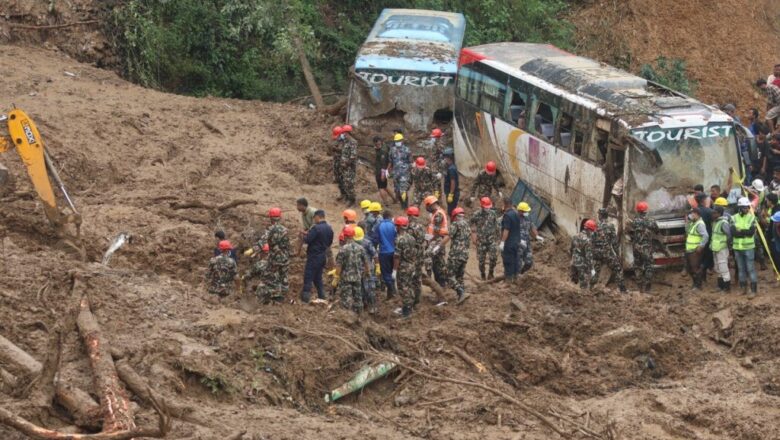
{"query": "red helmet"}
(485, 202)
(337, 130)
(590, 225)
(413, 211)
(266, 248)
(490, 167)
(346, 129)
(436, 133)
(401, 221)
(349, 215)
(225, 245)
(642, 207)
(349, 231)
(457, 211)
(275, 213)
(420, 162)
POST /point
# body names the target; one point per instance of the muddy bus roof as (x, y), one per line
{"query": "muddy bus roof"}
(413, 40)
(632, 99)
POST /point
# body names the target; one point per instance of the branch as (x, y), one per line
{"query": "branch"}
(191, 204)
(51, 26)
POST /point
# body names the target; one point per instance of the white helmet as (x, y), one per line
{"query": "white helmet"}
(743, 202)
(758, 185)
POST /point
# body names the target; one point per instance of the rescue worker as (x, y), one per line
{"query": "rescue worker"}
(222, 271)
(351, 267)
(605, 250)
(278, 241)
(423, 180)
(348, 163)
(364, 206)
(400, 164)
(384, 236)
(485, 234)
(641, 230)
(719, 245)
(510, 241)
(336, 151)
(582, 256)
(417, 231)
(318, 239)
(485, 182)
(350, 218)
(259, 269)
(460, 236)
(375, 216)
(381, 163)
(437, 156)
(307, 220)
(437, 236)
(451, 181)
(369, 279)
(743, 230)
(723, 203)
(219, 235)
(696, 239)
(525, 258)
(405, 265)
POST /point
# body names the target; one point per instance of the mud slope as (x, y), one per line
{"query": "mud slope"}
(726, 44)
(633, 366)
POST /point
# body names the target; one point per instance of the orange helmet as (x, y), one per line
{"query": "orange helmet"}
(420, 162)
(349, 231)
(457, 211)
(337, 130)
(490, 167)
(436, 133)
(346, 129)
(590, 225)
(275, 213)
(225, 245)
(642, 207)
(401, 221)
(266, 248)
(485, 202)
(430, 200)
(349, 215)
(413, 211)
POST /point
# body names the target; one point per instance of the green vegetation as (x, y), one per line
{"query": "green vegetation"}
(246, 48)
(216, 384)
(671, 73)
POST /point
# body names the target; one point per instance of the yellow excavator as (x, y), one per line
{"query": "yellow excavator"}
(24, 136)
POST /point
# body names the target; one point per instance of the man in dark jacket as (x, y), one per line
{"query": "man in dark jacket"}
(318, 240)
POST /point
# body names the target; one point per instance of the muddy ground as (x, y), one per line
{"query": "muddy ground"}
(619, 366)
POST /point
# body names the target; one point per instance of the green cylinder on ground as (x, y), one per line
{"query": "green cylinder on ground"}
(363, 377)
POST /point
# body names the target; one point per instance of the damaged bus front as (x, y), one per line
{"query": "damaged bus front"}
(404, 74)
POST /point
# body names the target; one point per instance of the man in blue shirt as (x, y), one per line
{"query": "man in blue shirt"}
(318, 241)
(510, 241)
(451, 181)
(384, 236)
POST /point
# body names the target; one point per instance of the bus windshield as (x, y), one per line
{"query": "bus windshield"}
(676, 159)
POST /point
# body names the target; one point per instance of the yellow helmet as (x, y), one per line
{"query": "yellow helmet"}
(365, 204)
(359, 234)
(721, 201)
(375, 207)
(522, 206)
(398, 137)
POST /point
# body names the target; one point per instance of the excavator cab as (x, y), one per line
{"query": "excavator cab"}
(24, 136)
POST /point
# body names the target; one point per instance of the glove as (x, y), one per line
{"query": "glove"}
(249, 252)
(450, 197)
(335, 282)
(377, 269)
(435, 250)
(592, 273)
(471, 200)
(403, 196)
(436, 194)
(428, 237)
(523, 244)
(394, 274)
(438, 176)
(500, 195)
(331, 273)
(501, 246)
(540, 238)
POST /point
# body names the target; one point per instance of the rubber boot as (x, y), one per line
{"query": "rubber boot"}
(720, 284)
(753, 290)
(743, 286)
(727, 287)
(482, 272)
(622, 288)
(390, 291)
(490, 272)
(406, 312)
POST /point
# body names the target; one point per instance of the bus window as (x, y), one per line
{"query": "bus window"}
(579, 141)
(544, 119)
(517, 105)
(565, 127)
(469, 85)
(491, 96)
(599, 154)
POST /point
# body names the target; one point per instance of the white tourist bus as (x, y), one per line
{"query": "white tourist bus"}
(572, 129)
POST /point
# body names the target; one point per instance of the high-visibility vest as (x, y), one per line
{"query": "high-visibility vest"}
(444, 229)
(743, 222)
(693, 239)
(719, 239)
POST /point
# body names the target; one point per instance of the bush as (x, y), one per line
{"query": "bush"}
(671, 73)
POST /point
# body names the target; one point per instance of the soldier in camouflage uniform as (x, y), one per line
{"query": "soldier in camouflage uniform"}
(259, 269)
(527, 234)
(487, 233)
(348, 164)
(485, 183)
(437, 236)
(400, 164)
(582, 256)
(351, 268)
(222, 270)
(605, 250)
(405, 264)
(423, 180)
(369, 279)
(417, 231)
(641, 230)
(336, 151)
(460, 237)
(278, 241)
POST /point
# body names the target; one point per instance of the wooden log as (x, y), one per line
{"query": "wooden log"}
(433, 285)
(82, 407)
(9, 381)
(478, 366)
(15, 356)
(114, 404)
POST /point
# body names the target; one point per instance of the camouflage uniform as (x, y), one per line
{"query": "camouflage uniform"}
(348, 164)
(460, 237)
(369, 279)
(417, 231)
(221, 274)
(407, 251)
(582, 259)
(641, 230)
(484, 185)
(337, 164)
(352, 260)
(488, 230)
(605, 242)
(439, 165)
(278, 241)
(401, 159)
(439, 259)
(424, 182)
(525, 256)
(259, 269)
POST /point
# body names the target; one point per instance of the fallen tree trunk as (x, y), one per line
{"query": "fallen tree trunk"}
(13, 355)
(115, 407)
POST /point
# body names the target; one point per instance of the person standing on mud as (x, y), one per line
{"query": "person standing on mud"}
(460, 236)
(510, 241)
(582, 256)
(605, 250)
(405, 265)
(318, 239)
(381, 164)
(417, 231)
(259, 269)
(525, 258)
(351, 267)
(278, 241)
(348, 163)
(384, 236)
(220, 235)
(485, 234)
(743, 229)
(451, 181)
(400, 164)
(719, 245)
(696, 239)
(485, 182)
(369, 278)
(641, 230)
(222, 271)
(423, 180)
(307, 220)
(336, 151)
(437, 235)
